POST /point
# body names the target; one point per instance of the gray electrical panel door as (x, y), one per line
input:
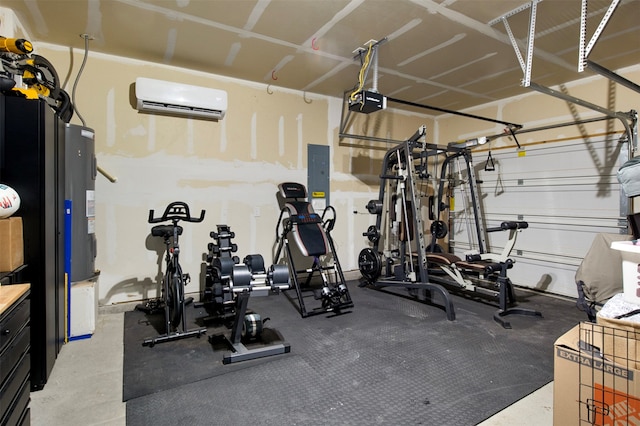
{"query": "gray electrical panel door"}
(80, 184)
(318, 176)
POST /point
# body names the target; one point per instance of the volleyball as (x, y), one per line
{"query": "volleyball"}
(9, 201)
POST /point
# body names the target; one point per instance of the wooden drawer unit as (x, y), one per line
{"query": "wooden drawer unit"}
(15, 362)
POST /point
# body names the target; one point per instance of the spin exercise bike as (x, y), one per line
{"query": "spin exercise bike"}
(173, 300)
(312, 235)
(228, 287)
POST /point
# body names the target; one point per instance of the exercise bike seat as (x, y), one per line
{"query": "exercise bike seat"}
(306, 225)
(164, 231)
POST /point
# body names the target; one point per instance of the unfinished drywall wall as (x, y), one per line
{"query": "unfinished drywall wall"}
(230, 168)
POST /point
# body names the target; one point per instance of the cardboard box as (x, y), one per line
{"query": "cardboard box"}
(589, 388)
(622, 343)
(11, 244)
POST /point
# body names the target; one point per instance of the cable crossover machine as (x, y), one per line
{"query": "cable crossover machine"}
(401, 256)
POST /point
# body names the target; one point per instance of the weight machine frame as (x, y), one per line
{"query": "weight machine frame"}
(429, 269)
(369, 260)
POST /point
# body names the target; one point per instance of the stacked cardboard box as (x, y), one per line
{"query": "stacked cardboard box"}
(11, 244)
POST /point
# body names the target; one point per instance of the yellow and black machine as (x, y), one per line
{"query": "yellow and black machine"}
(23, 73)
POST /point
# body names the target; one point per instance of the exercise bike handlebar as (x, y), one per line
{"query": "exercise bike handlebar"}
(505, 226)
(177, 210)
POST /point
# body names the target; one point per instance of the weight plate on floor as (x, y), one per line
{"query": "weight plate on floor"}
(370, 264)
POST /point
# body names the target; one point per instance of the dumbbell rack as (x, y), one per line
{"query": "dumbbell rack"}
(229, 286)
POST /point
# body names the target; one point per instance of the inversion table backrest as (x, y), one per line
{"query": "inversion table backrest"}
(306, 225)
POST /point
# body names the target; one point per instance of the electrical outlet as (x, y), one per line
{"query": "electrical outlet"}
(256, 211)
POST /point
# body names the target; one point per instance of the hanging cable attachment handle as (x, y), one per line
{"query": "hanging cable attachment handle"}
(489, 165)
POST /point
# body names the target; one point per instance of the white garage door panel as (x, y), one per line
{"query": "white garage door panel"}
(555, 159)
(557, 206)
(540, 242)
(567, 192)
(545, 276)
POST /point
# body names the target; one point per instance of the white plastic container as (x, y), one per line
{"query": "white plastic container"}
(630, 253)
(83, 310)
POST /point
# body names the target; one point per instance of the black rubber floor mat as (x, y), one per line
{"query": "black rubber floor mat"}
(391, 360)
(174, 363)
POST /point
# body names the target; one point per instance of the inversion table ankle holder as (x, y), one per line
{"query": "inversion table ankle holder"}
(312, 235)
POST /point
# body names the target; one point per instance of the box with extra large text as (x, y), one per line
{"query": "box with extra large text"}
(589, 388)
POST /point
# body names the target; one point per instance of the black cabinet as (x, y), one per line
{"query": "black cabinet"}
(32, 162)
(14, 354)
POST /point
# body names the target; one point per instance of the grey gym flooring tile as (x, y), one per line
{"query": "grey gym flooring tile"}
(85, 386)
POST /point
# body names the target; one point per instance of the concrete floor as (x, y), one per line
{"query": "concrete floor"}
(85, 386)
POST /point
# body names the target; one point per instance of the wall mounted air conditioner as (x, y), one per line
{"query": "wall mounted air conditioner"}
(165, 97)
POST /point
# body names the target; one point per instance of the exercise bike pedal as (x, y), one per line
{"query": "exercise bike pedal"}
(186, 278)
(151, 307)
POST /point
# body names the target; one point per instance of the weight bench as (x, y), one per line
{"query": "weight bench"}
(487, 267)
(312, 236)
